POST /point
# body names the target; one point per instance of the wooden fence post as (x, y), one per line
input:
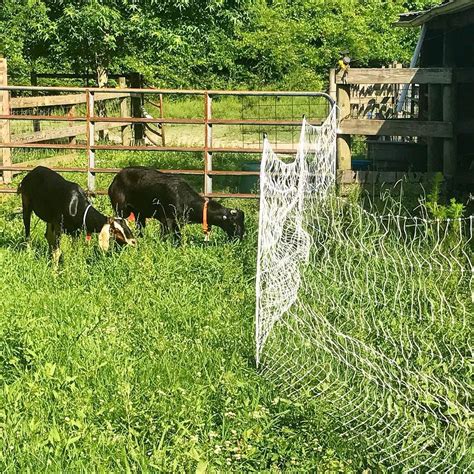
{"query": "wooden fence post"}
(343, 140)
(449, 106)
(124, 112)
(72, 113)
(102, 79)
(136, 102)
(449, 148)
(90, 141)
(34, 82)
(332, 84)
(162, 115)
(5, 124)
(435, 113)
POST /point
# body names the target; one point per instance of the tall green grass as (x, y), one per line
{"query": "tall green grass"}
(140, 359)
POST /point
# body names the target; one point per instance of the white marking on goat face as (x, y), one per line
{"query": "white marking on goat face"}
(104, 237)
(224, 217)
(73, 204)
(121, 232)
(233, 212)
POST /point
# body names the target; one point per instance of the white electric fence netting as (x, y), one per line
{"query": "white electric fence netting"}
(367, 315)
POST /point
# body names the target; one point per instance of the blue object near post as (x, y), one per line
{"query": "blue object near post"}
(249, 184)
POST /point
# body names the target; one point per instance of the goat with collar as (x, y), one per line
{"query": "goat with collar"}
(169, 198)
(64, 206)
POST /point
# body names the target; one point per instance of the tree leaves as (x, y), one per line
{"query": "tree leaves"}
(202, 43)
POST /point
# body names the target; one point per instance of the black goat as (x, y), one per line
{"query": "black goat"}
(64, 206)
(149, 193)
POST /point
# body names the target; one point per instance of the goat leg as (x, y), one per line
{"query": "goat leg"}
(53, 236)
(26, 215)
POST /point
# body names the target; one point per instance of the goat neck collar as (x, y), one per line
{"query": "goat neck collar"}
(88, 235)
(206, 228)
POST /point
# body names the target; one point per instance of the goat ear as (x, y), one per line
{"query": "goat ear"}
(104, 237)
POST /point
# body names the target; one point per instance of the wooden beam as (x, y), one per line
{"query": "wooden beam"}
(90, 141)
(372, 100)
(397, 76)
(126, 132)
(390, 177)
(332, 84)
(395, 127)
(449, 105)
(435, 113)
(58, 100)
(343, 143)
(63, 132)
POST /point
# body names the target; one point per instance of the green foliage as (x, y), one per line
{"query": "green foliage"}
(453, 210)
(218, 43)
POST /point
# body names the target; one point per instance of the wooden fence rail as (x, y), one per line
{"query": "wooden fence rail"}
(58, 100)
(437, 122)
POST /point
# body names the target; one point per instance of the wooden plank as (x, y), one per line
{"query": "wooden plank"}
(395, 127)
(372, 100)
(435, 112)
(5, 137)
(58, 100)
(332, 84)
(343, 143)
(450, 46)
(91, 129)
(50, 162)
(126, 132)
(397, 76)
(390, 177)
(66, 132)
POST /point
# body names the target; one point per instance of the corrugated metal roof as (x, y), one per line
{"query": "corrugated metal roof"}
(445, 8)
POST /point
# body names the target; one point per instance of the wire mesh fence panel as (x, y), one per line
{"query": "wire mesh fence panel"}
(365, 316)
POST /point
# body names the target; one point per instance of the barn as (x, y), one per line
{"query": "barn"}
(447, 41)
(417, 119)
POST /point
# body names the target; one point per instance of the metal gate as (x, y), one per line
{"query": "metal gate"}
(76, 119)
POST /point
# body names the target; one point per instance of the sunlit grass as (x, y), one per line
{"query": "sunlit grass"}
(139, 359)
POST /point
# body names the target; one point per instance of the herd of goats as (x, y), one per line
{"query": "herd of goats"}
(145, 192)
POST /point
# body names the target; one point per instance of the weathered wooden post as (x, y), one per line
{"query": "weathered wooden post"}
(72, 113)
(124, 112)
(90, 141)
(5, 124)
(343, 95)
(449, 106)
(162, 125)
(34, 82)
(102, 79)
(136, 103)
(332, 84)
(435, 113)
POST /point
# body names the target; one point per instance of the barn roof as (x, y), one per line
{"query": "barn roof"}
(445, 8)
